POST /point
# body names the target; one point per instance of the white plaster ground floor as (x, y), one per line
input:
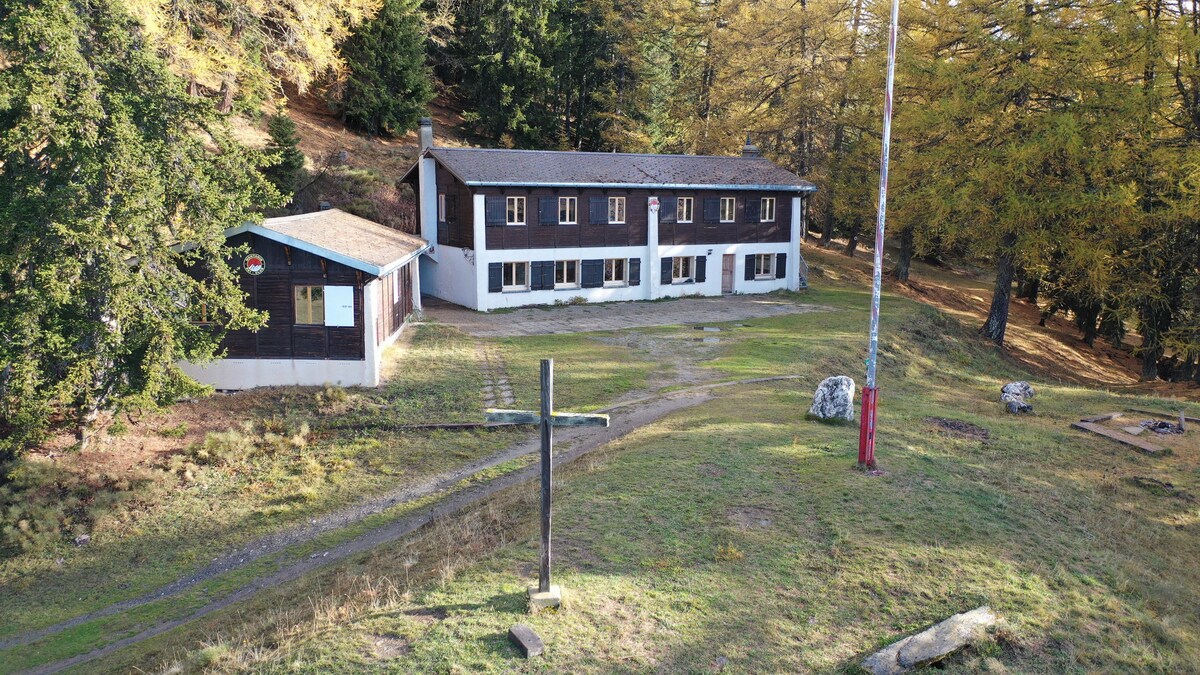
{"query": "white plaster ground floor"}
(236, 374)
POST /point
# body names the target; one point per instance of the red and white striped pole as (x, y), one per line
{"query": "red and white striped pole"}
(870, 393)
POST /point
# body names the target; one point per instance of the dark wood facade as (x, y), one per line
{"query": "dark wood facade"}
(272, 292)
(395, 301)
(457, 228)
(743, 230)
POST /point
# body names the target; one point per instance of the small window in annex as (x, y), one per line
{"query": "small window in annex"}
(515, 214)
(616, 210)
(682, 270)
(764, 266)
(310, 305)
(684, 208)
(614, 272)
(766, 212)
(566, 273)
(728, 209)
(516, 275)
(568, 213)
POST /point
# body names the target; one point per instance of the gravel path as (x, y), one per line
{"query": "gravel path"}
(578, 442)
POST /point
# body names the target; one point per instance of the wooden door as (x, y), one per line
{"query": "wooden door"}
(727, 263)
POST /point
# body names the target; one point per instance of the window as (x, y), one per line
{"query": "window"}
(684, 209)
(614, 271)
(516, 274)
(766, 212)
(728, 208)
(682, 270)
(201, 314)
(616, 210)
(515, 213)
(310, 305)
(568, 213)
(764, 266)
(566, 272)
(441, 216)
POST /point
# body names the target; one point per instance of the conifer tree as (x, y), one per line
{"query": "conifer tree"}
(286, 166)
(105, 163)
(387, 85)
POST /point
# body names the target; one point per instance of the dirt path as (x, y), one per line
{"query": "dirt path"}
(577, 442)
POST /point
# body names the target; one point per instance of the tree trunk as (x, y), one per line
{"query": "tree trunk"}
(904, 262)
(852, 243)
(1088, 320)
(828, 224)
(997, 319)
(1028, 289)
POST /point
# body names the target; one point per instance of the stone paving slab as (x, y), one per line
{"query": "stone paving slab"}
(612, 316)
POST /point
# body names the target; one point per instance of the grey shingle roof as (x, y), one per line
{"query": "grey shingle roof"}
(486, 167)
(357, 242)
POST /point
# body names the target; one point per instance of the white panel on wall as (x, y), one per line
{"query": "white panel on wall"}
(339, 305)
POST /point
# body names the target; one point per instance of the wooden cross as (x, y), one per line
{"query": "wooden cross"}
(547, 419)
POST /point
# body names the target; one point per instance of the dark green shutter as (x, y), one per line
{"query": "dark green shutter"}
(493, 210)
(548, 210)
(781, 266)
(666, 270)
(598, 210)
(591, 274)
(701, 263)
(635, 271)
(749, 267)
(753, 209)
(666, 209)
(495, 277)
(712, 209)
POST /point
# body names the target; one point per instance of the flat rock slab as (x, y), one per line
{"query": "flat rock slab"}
(932, 644)
(526, 640)
(548, 600)
(1120, 436)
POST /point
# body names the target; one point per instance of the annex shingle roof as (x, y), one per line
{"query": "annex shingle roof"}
(357, 242)
(488, 167)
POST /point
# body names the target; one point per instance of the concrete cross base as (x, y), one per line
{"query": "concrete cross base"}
(539, 601)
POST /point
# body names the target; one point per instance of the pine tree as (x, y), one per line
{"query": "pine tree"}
(387, 85)
(105, 163)
(286, 168)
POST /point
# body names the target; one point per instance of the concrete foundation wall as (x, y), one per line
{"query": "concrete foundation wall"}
(250, 373)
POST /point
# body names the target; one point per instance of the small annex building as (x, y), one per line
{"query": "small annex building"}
(509, 228)
(337, 289)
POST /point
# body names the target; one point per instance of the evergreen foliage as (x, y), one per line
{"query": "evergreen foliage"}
(105, 163)
(388, 85)
(286, 168)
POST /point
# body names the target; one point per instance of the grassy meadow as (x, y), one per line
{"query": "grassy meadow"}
(736, 535)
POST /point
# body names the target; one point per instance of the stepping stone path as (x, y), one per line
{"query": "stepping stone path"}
(496, 389)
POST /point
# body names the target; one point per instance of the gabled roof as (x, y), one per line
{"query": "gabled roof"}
(342, 237)
(495, 168)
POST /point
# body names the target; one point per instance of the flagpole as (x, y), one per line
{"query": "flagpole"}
(870, 393)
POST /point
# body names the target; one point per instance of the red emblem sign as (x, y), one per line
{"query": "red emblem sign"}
(255, 264)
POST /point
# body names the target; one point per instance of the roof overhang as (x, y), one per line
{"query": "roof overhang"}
(355, 263)
(648, 186)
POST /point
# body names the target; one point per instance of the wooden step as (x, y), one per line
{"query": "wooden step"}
(1120, 436)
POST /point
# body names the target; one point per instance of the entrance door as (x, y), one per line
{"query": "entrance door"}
(727, 263)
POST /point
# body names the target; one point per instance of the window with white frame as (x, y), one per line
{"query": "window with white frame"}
(682, 270)
(516, 276)
(614, 272)
(616, 210)
(566, 273)
(728, 209)
(568, 211)
(766, 212)
(683, 211)
(515, 214)
(764, 266)
(441, 215)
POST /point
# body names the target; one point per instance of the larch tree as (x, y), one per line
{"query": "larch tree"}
(105, 163)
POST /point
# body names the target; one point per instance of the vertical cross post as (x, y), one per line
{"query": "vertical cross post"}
(547, 424)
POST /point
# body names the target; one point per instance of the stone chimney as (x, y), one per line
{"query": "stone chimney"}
(425, 133)
(324, 205)
(750, 149)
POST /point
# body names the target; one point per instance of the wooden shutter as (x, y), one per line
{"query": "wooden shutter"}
(712, 209)
(591, 273)
(495, 277)
(548, 210)
(701, 264)
(493, 210)
(781, 266)
(753, 209)
(749, 276)
(598, 210)
(635, 271)
(666, 270)
(541, 275)
(667, 207)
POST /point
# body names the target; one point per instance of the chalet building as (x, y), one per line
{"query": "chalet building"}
(337, 289)
(515, 227)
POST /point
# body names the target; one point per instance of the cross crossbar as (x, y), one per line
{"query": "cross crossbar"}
(557, 419)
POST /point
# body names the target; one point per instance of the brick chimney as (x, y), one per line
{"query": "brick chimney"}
(425, 132)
